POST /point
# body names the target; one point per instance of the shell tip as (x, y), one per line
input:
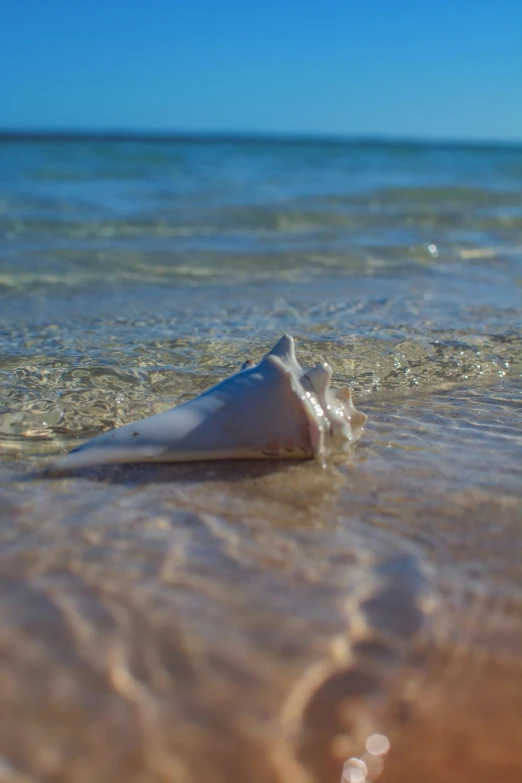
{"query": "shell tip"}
(284, 348)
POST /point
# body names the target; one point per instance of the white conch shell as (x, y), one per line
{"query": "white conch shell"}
(270, 410)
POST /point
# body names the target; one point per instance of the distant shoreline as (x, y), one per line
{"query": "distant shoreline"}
(16, 135)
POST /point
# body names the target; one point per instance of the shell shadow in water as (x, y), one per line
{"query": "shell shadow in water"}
(143, 473)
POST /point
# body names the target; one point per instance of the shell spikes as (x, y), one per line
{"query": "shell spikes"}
(272, 410)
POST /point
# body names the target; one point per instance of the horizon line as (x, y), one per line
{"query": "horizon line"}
(368, 139)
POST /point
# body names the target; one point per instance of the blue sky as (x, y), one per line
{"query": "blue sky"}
(425, 68)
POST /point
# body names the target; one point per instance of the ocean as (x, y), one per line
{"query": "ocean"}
(258, 622)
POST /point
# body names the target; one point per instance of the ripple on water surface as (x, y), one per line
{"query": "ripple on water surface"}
(228, 622)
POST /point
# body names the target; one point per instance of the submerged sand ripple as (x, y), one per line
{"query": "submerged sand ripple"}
(233, 623)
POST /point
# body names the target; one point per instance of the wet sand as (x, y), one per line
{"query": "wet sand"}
(257, 622)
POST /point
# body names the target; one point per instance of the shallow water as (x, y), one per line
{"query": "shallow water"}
(257, 622)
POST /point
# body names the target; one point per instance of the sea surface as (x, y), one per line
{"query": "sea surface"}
(261, 622)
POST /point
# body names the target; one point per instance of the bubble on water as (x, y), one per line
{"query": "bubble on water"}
(354, 771)
(433, 250)
(377, 744)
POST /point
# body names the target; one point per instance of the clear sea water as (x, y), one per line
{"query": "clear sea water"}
(257, 622)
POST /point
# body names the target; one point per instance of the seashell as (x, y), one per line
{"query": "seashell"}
(271, 410)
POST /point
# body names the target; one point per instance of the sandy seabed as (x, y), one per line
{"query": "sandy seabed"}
(259, 621)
